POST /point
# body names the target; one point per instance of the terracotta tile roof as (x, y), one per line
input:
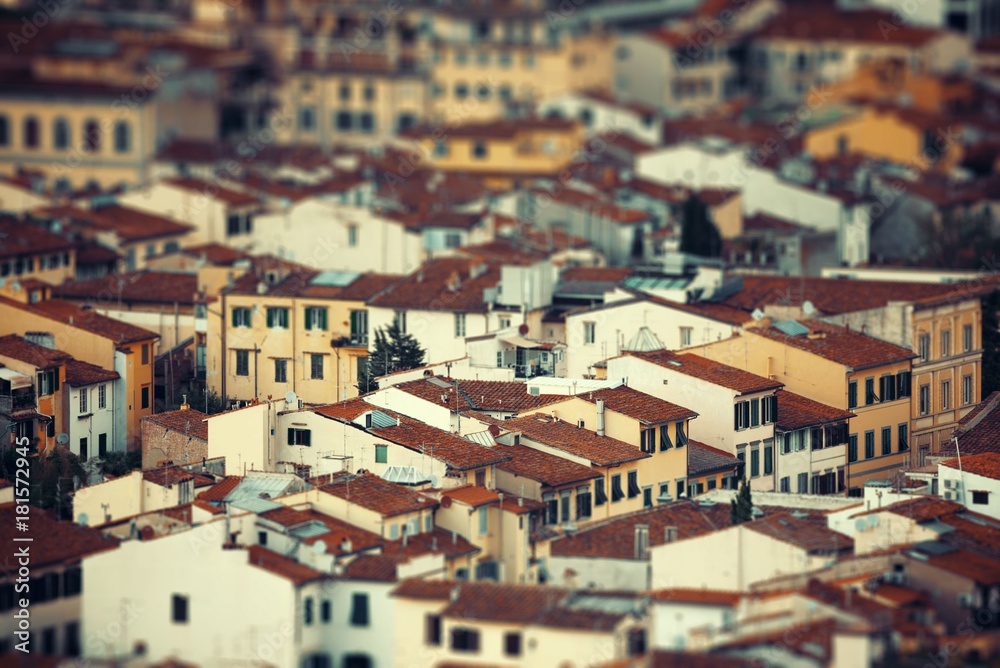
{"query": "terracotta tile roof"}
(839, 344)
(18, 348)
(476, 496)
(167, 476)
(697, 596)
(596, 274)
(639, 405)
(809, 536)
(502, 129)
(710, 371)
(130, 225)
(348, 410)
(372, 492)
(986, 464)
(119, 332)
(446, 284)
(340, 531)
(80, 373)
(506, 251)
(595, 205)
(833, 296)
(53, 542)
(282, 566)
(550, 470)
(824, 23)
(188, 421)
(418, 221)
(19, 238)
(762, 222)
(983, 569)
(979, 431)
(553, 432)
(615, 538)
(216, 254)
(431, 542)
(978, 408)
(796, 411)
(481, 395)
(372, 568)
(921, 509)
(704, 459)
(90, 253)
(207, 507)
(220, 490)
(433, 590)
(159, 287)
(456, 452)
(232, 198)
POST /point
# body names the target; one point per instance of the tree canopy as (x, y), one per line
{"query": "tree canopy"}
(393, 351)
(741, 508)
(699, 236)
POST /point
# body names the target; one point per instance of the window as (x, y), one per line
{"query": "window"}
(401, 321)
(754, 412)
(589, 332)
(564, 507)
(432, 629)
(465, 640)
(679, 435)
(754, 463)
(803, 483)
(281, 371)
(551, 508)
(242, 362)
(582, 503)
(461, 90)
(307, 611)
(616, 488)
(512, 644)
(381, 454)
(83, 401)
(31, 132)
(277, 317)
(241, 316)
(600, 497)
(966, 338)
(102, 445)
(633, 484)
(869, 444)
(179, 609)
(484, 520)
(441, 149)
(768, 459)
(307, 119)
(966, 390)
(665, 443)
(4, 130)
(887, 387)
(144, 397)
(49, 641)
(924, 347)
(769, 409)
(686, 336)
(680, 488)
(359, 609)
(925, 399)
(980, 498)
(945, 343)
(345, 91)
(742, 415)
(785, 486)
(60, 134)
(852, 448)
(886, 440)
(479, 149)
(325, 612)
(299, 436)
(945, 395)
(123, 137)
(903, 384)
(145, 353)
(343, 121)
(316, 318)
(459, 324)
(870, 396)
(91, 136)
(902, 435)
(366, 120)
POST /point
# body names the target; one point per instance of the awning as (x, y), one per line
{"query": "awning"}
(17, 380)
(522, 342)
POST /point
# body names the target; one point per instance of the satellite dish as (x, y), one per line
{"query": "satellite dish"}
(523, 329)
(82, 519)
(873, 520)
(434, 480)
(808, 308)
(757, 315)
(446, 502)
(861, 524)
(291, 397)
(319, 547)
(62, 438)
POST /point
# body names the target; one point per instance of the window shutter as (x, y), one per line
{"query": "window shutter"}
(233, 316)
(774, 408)
(322, 319)
(291, 436)
(736, 416)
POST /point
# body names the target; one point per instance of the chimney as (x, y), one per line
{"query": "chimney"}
(406, 537)
(600, 417)
(184, 402)
(669, 534)
(345, 545)
(455, 591)
(642, 541)
(434, 543)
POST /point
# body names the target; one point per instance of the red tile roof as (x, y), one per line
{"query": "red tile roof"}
(53, 541)
(476, 496)
(615, 538)
(553, 432)
(119, 332)
(18, 348)
(372, 568)
(920, 509)
(809, 536)
(710, 371)
(638, 405)
(282, 566)
(839, 344)
(130, 225)
(80, 373)
(232, 198)
(704, 460)
(188, 421)
(221, 490)
(432, 590)
(824, 23)
(340, 531)
(158, 287)
(796, 412)
(348, 410)
(216, 254)
(979, 431)
(984, 570)
(372, 492)
(550, 470)
(986, 464)
(456, 452)
(20, 238)
(448, 543)
(716, 597)
(481, 395)
(595, 205)
(447, 284)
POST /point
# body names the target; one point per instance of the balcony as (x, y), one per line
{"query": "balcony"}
(18, 404)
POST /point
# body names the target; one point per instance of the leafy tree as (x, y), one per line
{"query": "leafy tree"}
(120, 463)
(393, 351)
(699, 236)
(215, 403)
(741, 508)
(991, 344)
(51, 477)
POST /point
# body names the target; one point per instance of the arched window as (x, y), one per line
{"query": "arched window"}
(31, 138)
(60, 134)
(4, 130)
(123, 137)
(91, 136)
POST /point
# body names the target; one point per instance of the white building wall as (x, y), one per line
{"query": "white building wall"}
(963, 484)
(435, 330)
(696, 167)
(608, 117)
(615, 574)
(98, 421)
(205, 213)
(243, 437)
(672, 622)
